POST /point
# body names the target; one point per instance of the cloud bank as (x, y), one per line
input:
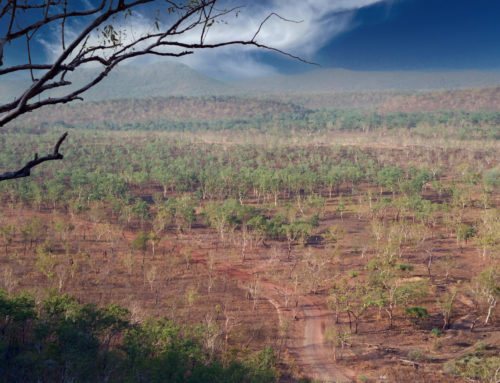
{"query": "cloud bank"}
(320, 21)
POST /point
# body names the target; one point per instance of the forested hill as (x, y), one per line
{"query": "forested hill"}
(167, 79)
(463, 99)
(476, 111)
(171, 109)
(472, 100)
(324, 80)
(256, 110)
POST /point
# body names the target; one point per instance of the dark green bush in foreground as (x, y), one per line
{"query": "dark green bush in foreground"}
(61, 340)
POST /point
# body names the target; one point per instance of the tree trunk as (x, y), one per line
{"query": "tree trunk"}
(390, 313)
(350, 320)
(490, 309)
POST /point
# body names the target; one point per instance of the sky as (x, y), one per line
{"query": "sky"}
(419, 35)
(379, 35)
(425, 35)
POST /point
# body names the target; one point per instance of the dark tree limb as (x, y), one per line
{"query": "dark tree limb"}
(26, 170)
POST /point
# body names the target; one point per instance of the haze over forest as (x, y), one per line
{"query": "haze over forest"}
(174, 79)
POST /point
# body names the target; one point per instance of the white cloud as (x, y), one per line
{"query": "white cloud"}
(321, 20)
(228, 63)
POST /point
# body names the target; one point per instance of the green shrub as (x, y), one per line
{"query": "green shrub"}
(491, 177)
(474, 368)
(405, 267)
(416, 314)
(436, 332)
(466, 232)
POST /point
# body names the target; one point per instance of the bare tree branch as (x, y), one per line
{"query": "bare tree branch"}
(18, 68)
(25, 171)
(268, 17)
(46, 20)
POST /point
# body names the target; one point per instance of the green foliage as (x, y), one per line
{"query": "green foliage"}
(178, 211)
(389, 177)
(489, 280)
(141, 210)
(390, 291)
(436, 332)
(477, 366)
(228, 216)
(491, 177)
(298, 230)
(140, 241)
(62, 340)
(46, 260)
(465, 232)
(485, 289)
(417, 314)
(405, 267)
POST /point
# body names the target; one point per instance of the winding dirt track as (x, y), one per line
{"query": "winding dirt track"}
(311, 353)
(316, 353)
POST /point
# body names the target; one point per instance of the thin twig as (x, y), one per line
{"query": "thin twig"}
(268, 17)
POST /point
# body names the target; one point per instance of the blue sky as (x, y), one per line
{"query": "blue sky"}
(421, 35)
(353, 34)
(426, 35)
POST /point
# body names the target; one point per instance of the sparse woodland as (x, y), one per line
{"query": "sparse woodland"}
(215, 235)
(350, 236)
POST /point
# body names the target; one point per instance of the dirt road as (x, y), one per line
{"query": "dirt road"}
(317, 355)
(311, 353)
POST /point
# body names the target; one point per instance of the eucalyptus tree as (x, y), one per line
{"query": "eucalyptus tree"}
(223, 217)
(352, 298)
(488, 233)
(389, 177)
(485, 289)
(390, 290)
(334, 178)
(179, 212)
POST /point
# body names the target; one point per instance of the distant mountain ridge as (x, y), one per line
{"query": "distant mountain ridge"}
(175, 79)
(159, 80)
(328, 80)
(128, 81)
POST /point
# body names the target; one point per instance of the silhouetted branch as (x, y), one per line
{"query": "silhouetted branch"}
(26, 170)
